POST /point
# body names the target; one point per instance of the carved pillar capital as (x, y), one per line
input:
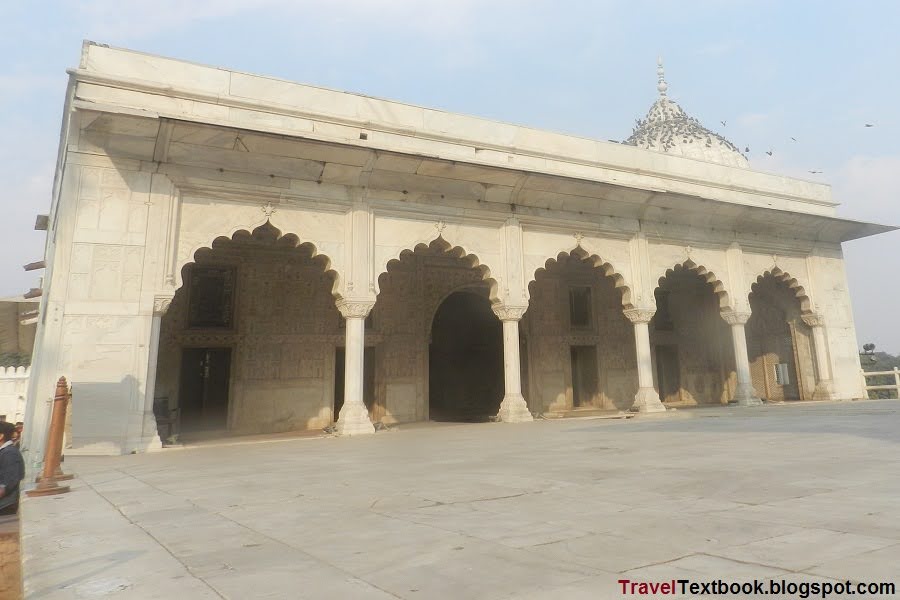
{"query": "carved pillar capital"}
(161, 304)
(813, 320)
(733, 317)
(509, 313)
(354, 309)
(639, 315)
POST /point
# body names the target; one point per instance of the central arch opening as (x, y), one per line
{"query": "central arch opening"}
(440, 354)
(465, 359)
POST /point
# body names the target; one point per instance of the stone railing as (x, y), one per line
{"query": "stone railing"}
(13, 390)
(874, 388)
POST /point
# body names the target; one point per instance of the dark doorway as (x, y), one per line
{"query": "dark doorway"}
(203, 390)
(368, 378)
(465, 360)
(585, 384)
(668, 373)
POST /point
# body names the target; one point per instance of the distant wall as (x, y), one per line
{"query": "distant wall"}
(13, 390)
(16, 337)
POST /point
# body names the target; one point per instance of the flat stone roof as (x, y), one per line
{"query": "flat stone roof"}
(120, 80)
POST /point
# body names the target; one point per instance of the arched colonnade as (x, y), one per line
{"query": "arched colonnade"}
(579, 337)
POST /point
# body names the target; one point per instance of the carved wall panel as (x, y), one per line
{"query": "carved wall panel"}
(105, 272)
(110, 200)
(100, 355)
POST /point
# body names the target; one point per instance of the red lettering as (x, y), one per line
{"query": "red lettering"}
(643, 588)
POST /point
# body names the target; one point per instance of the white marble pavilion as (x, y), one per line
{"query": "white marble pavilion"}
(234, 253)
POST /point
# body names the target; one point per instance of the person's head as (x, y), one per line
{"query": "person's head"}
(6, 431)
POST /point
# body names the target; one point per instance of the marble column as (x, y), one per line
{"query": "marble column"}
(513, 408)
(824, 385)
(647, 398)
(744, 395)
(354, 417)
(150, 433)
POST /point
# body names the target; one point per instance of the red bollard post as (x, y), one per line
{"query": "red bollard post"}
(47, 485)
(58, 474)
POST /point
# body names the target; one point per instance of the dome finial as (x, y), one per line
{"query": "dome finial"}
(662, 86)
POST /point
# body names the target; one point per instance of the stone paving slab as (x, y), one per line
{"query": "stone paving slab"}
(552, 509)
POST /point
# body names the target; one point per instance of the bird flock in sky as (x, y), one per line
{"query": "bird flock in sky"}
(771, 151)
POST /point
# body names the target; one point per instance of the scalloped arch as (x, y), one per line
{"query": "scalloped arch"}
(264, 233)
(791, 283)
(708, 276)
(594, 261)
(440, 246)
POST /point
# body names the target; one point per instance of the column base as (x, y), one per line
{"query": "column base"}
(150, 443)
(354, 420)
(746, 396)
(150, 440)
(47, 488)
(514, 409)
(824, 391)
(647, 401)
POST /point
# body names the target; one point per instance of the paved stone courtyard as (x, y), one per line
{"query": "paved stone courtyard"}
(555, 509)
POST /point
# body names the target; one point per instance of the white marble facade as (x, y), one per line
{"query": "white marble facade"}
(384, 208)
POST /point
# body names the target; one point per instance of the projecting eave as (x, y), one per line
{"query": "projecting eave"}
(127, 82)
(235, 163)
(21, 299)
(848, 229)
(705, 213)
(804, 226)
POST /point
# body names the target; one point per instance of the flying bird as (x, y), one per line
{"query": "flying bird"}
(793, 139)
(869, 125)
(723, 123)
(815, 172)
(747, 150)
(769, 152)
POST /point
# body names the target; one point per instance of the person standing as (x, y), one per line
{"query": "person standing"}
(12, 470)
(17, 435)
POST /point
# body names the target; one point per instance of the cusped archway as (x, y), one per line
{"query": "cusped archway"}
(693, 353)
(779, 343)
(412, 292)
(578, 347)
(789, 283)
(249, 341)
(712, 281)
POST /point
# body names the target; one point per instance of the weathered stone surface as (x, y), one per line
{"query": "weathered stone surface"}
(555, 509)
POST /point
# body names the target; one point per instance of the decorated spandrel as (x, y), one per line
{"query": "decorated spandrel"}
(212, 297)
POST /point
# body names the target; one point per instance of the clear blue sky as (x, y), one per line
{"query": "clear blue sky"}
(815, 71)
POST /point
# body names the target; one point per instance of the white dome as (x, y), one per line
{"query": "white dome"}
(669, 129)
